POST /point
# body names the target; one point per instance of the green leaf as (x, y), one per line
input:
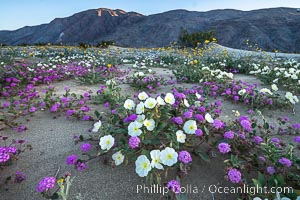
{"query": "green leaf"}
(181, 196)
(261, 179)
(257, 183)
(97, 114)
(206, 130)
(55, 196)
(204, 156)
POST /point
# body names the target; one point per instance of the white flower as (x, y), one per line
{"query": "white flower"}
(150, 103)
(141, 74)
(197, 103)
(106, 142)
(274, 87)
(140, 108)
(242, 92)
(160, 101)
(134, 128)
(198, 95)
(266, 90)
(118, 157)
(180, 136)
(208, 118)
(142, 166)
(140, 118)
(293, 99)
(190, 127)
(168, 156)
(155, 159)
(294, 76)
(169, 98)
(97, 126)
(149, 124)
(143, 96)
(129, 104)
(186, 103)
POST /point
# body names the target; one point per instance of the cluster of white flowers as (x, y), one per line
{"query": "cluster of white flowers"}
(167, 157)
(292, 98)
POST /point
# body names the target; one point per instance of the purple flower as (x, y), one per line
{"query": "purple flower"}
(246, 125)
(70, 112)
(297, 139)
(258, 139)
(261, 158)
(20, 129)
(114, 111)
(285, 161)
(188, 114)
(81, 166)
(250, 112)
(20, 177)
(72, 159)
(85, 147)
(271, 170)
(53, 108)
(296, 126)
(174, 186)
(130, 118)
(199, 117)
(228, 135)
(218, 124)
(81, 102)
(106, 105)
(4, 157)
(3, 149)
(11, 149)
(202, 109)
(6, 104)
(45, 184)
(218, 103)
(177, 120)
(134, 142)
(85, 108)
(43, 104)
(32, 109)
(234, 175)
(199, 132)
(185, 157)
(224, 147)
(236, 98)
(275, 140)
(86, 118)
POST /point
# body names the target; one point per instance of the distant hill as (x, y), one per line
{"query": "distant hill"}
(274, 28)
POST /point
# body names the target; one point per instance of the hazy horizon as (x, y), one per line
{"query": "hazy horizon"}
(17, 14)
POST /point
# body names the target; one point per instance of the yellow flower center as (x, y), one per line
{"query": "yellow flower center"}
(107, 142)
(147, 123)
(169, 156)
(191, 127)
(135, 129)
(145, 165)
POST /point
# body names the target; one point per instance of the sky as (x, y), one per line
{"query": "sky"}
(16, 14)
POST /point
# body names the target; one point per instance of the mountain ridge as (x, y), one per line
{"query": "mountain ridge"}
(273, 28)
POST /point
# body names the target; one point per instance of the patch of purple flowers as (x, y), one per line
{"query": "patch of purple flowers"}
(185, 157)
(45, 184)
(134, 142)
(174, 186)
(224, 147)
(234, 175)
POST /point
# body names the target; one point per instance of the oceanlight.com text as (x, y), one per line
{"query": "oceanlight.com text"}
(189, 189)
